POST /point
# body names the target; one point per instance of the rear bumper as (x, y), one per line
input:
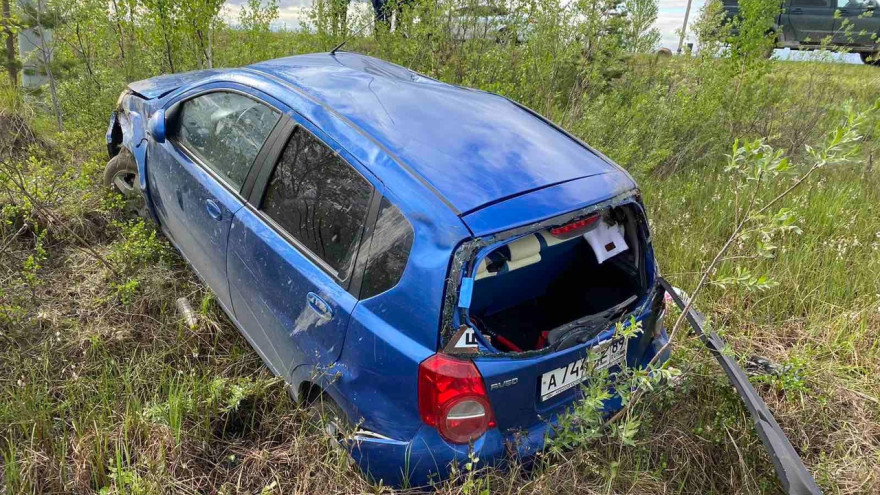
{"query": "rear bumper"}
(428, 457)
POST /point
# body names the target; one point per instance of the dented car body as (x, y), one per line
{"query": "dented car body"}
(436, 261)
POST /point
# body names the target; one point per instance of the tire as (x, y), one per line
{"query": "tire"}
(325, 414)
(870, 58)
(121, 176)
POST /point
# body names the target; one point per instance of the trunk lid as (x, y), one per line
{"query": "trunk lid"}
(537, 205)
(513, 380)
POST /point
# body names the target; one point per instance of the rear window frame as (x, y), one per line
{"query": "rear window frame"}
(368, 255)
(463, 264)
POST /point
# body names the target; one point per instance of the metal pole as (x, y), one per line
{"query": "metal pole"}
(684, 26)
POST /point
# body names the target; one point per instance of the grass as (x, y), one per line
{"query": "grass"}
(105, 389)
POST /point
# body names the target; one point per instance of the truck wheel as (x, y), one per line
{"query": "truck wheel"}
(870, 58)
(121, 175)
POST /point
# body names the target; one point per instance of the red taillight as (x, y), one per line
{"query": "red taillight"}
(452, 398)
(573, 226)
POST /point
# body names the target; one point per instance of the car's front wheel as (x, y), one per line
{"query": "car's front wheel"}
(121, 175)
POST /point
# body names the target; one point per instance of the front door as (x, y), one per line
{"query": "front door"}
(811, 21)
(199, 171)
(292, 251)
(859, 22)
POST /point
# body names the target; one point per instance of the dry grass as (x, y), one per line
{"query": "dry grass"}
(105, 390)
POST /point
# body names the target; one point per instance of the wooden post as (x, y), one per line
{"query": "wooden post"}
(684, 27)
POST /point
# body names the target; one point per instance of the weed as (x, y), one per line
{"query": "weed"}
(106, 392)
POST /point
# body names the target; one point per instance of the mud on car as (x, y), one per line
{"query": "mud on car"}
(430, 262)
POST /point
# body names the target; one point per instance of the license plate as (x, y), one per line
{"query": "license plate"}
(561, 379)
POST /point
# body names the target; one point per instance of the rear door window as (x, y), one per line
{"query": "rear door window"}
(225, 131)
(389, 250)
(319, 200)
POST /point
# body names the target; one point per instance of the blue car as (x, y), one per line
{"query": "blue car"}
(432, 261)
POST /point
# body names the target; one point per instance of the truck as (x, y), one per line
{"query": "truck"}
(853, 25)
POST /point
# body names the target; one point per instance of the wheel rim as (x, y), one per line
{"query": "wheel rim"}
(124, 182)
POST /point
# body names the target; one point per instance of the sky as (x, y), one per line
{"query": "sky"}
(670, 16)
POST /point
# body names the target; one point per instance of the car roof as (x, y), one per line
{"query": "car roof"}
(471, 147)
(159, 86)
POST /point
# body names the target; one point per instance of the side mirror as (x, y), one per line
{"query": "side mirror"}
(156, 126)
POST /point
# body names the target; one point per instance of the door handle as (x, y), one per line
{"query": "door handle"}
(319, 305)
(213, 209)
(797, 10)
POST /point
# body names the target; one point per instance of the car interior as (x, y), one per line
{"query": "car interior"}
(543, 281)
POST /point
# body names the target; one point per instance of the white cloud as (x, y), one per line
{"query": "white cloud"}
(670, 16)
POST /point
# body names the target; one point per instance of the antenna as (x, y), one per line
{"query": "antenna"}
(356, 33)
(337, 47)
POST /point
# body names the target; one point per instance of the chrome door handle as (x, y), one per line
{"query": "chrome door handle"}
(319, 305)
(213, 209)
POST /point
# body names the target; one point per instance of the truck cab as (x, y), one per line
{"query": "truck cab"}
(813, 25)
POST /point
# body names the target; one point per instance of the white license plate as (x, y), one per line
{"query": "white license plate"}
(561, 379)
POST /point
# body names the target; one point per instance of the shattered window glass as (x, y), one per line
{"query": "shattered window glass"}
(389, 251)
(318, 199)
(226, 131)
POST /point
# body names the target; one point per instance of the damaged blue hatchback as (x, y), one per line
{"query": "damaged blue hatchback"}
(431, 262)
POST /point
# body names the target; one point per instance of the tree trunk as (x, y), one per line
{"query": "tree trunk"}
(86, 56)
(46, 55)
(119, 33)
(53, 90)
(168, 50)
(11, 63)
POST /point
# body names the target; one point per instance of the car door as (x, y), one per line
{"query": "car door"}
(292, 251)
(811, 21)
(198, 173)
(858, 23)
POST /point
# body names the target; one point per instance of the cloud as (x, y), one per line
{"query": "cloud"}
(670, 16)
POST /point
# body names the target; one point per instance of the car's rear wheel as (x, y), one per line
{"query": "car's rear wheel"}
(870, 58)
(325, 414)
(121, 175)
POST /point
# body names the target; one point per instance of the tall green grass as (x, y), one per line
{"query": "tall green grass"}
(105, 390)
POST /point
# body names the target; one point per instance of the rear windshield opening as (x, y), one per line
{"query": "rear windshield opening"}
(560, 286)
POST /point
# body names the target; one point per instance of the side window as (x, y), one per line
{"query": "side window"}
(389, 251)
(811, 3)
(319, 199)
(225, 131)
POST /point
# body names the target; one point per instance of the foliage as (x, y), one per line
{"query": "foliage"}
(108, 391)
